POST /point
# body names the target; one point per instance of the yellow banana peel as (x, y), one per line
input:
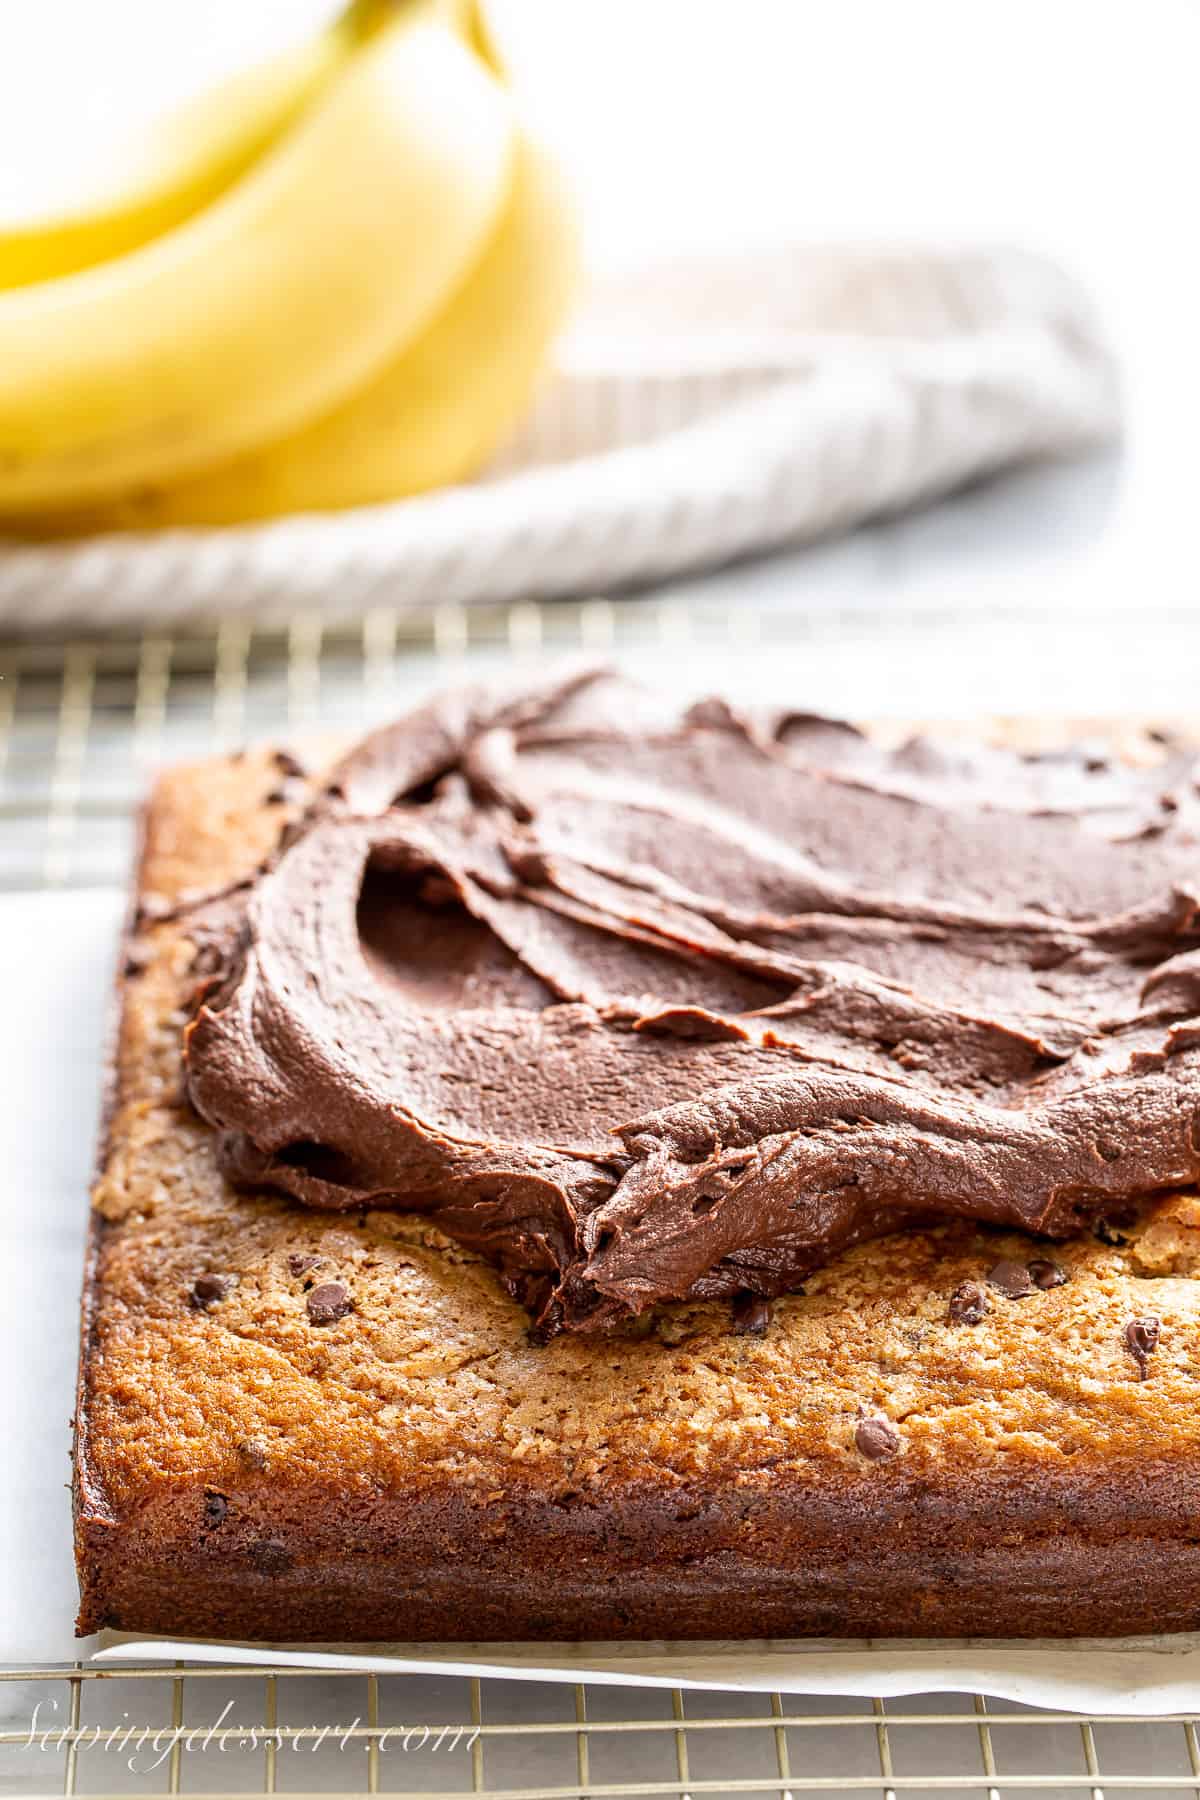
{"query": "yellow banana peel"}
(433, 415)
(175, 167)
(270, 306)
(330, 283)
(180, 163)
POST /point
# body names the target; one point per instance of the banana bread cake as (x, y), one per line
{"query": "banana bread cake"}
(572, 1171)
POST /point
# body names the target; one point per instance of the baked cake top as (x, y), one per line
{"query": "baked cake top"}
(647, 1007)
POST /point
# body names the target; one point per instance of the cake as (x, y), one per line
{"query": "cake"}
(571, 1170)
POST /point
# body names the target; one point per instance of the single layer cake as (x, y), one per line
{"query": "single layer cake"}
(572, 1170)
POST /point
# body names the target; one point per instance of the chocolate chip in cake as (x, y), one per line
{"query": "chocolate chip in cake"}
(208, 1289)
(751, 1315)
(969, 1305)
(215, 1508)
(137, 959)
(1141, 1340)
(1045, 1274)
(328, 1303)
(287, 764)
(270, 1557)
(300, 1264)
(252, 1453)
(1010, 1279)
(876, 1439)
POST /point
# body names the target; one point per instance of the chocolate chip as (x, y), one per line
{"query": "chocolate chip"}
(287, 764)
(969, 1305)
(1046, 1274)
(328, 1303)
(215, 1508)
(299, 1264)
(252, 1453)
(270, 1557)
(137, 959)
(1141, 1340)
(1010, 1279)
(876, 1439)
(208, 1289)
(751, 1315)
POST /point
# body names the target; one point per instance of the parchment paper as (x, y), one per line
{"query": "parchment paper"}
(1138, 1677)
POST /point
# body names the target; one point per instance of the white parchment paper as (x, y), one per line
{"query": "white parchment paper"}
(56, 959)
(1138, 1677)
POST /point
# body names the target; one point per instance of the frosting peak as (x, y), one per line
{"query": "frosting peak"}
(648, 1007)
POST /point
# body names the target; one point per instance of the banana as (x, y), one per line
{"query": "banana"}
(434, 415)
(178, 165)
(182, 162)
(271, 305)
(480, 33)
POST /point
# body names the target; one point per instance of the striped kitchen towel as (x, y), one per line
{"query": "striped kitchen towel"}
(698, 412)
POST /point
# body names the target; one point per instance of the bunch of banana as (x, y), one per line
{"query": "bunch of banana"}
(331, 283)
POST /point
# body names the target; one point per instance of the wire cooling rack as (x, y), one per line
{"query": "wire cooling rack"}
(81, 724)
(233, 1731)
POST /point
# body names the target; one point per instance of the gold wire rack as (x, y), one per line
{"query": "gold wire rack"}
(81, 724)
(206, 1729)
(234, 1730)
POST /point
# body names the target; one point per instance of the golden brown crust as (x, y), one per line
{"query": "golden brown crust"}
(417, 1469)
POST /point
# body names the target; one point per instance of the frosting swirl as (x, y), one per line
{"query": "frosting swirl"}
(645, 1007)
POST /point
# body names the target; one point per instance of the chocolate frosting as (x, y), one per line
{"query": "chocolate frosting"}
(647, 1007)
